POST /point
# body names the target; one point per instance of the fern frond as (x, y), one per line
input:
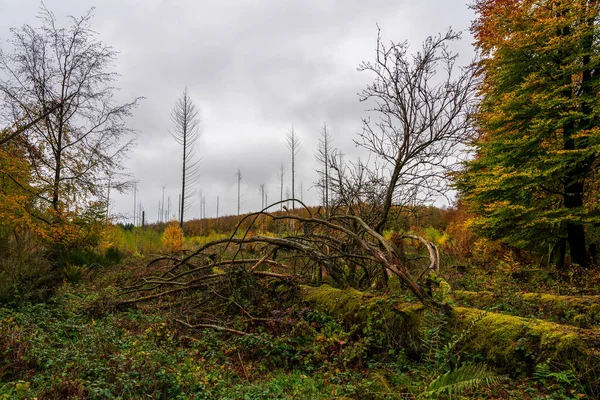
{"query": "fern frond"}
(456, 339)
(434, 323)
(465, 378)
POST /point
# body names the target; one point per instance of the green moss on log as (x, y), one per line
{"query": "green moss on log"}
(520, 343)
(379, 317)
(515, 344)
(580, 311)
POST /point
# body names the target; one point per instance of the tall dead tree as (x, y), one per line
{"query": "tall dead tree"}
(323, 158)
(186, 132)
(293, 143)
(281, 176)
(423, 105)
(263, 191)
(239, 184)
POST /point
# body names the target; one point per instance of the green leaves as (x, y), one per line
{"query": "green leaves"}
(464, 378)
(532, 180)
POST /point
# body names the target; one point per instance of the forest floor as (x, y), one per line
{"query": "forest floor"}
(80, 344)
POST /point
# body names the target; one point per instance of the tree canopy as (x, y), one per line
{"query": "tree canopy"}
(533, 176)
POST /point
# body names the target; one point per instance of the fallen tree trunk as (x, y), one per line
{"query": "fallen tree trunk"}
(514, 344)
(580, 311)
(340, 244)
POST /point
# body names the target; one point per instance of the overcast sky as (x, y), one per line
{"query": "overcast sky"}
(253, 68)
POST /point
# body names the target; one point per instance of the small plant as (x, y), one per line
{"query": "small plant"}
(73, 273)
(464, 378)
(564, 383)
(449, 376)
(172, 238)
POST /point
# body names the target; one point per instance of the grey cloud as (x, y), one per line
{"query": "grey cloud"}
(253, 68)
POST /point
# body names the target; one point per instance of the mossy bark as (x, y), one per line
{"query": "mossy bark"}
(380, 317)
(580, 311)
(514, 344)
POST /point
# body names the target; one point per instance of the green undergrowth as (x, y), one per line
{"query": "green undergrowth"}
(79, 346)
(333, 344)
(518, 346)
(76, 346)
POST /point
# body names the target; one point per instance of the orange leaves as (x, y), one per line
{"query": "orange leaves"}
(15, 201)
(172, 237)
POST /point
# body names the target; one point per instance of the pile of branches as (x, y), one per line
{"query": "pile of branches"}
(340, 249)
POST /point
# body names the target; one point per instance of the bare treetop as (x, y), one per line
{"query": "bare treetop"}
(293, 142)
(187, 130)
(423, 105)
(185, 117)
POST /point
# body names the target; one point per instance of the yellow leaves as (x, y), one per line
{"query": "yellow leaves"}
(172, 238)
(15, 201)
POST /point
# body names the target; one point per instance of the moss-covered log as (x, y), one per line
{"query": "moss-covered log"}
(580, 311)
(514, 344)
(378, 316)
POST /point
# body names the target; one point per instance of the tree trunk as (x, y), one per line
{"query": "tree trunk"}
(181, 205)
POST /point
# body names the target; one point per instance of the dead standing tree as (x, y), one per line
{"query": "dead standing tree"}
(239, 177)
(293, 143)
(322, 156)
(423, 106)
(185, 118)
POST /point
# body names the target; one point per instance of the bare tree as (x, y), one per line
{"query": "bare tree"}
(281, 176)
(293, 143)
(423, 106)
(287, 196)
(186, 131)
(322, 156)
(57, 83)
(18, 128)
(239, 177)
(263, 191)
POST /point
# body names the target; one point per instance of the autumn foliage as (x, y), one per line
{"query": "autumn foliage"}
(172, 238)
(531, 182)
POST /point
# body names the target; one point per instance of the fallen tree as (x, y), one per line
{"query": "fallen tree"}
(514, 344)
(341, 249)
(345, 252)
(580, 311)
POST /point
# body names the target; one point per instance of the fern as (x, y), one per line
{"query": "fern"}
(434, 324)
(456, 339)
(465, 378)
(543, 372)
(457, 379)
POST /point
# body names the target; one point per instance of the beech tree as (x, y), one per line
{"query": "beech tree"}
(532, 180)
(57, 83)
(186, 132)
